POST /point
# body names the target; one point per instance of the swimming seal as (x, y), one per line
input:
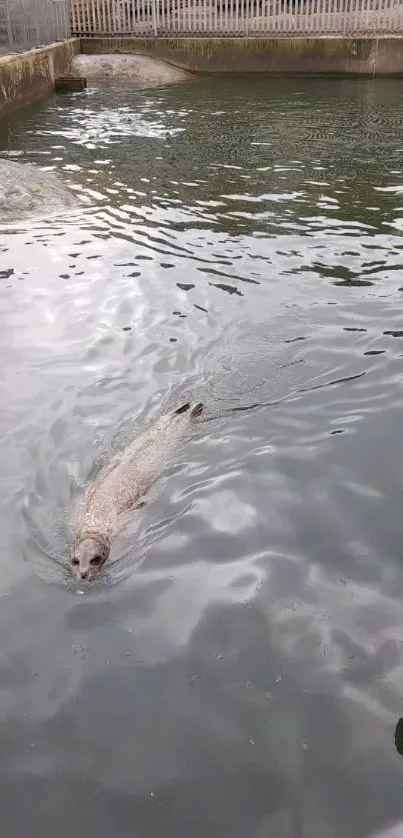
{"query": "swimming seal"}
(120, 487)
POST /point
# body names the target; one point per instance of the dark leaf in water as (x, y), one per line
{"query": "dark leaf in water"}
(353, 283)
(184, 287)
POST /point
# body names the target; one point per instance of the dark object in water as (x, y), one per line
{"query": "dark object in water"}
(70, 84)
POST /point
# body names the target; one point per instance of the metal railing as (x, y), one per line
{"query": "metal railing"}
(32, 23)
(236, 17)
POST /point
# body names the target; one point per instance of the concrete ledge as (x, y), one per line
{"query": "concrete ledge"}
(29, 75)
(288, 56)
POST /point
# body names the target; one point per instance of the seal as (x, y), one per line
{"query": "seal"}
(120, 488)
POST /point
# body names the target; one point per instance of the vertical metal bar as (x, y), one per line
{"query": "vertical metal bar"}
(152, 17)
(94, 24)
(358, 16)
(317, 17)
(68, 19)
(321, 22)
(91, 15)
(87, 21)
(398, 19)
(64, 33)
(353, 16)
(8, 27)
(128, 15)
(369, 15)
(309, 16)
(388, 16)
(60, 22)
(103, 16)
(303, 17)
(271, 11)
(332, 16)
(73, 17)
(78, 17)
(113, 12)
(100, 16)
(142, 16)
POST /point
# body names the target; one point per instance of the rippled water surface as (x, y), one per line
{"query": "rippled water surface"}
(238, 671)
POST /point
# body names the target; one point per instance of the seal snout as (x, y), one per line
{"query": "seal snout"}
(89, 556)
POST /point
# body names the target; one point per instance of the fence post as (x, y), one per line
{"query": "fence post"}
(8, 25)
(154, 17)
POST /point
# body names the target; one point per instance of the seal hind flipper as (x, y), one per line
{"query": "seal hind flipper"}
(183, 409)
(196, 410)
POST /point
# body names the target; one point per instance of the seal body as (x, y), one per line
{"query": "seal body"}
(120, 488)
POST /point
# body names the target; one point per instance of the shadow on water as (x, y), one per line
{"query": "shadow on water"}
(237, 669)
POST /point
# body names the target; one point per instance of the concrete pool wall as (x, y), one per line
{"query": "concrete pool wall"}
(27, 76)
(292, 56)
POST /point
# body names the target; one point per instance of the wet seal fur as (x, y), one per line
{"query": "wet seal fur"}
(120, 487)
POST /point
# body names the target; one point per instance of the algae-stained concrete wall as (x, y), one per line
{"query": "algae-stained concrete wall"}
(276, 56)
(29, 75)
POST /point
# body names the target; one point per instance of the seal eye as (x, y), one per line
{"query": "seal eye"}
(75, 562)
(96, 560)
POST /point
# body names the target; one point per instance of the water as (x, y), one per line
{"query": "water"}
(237, 672)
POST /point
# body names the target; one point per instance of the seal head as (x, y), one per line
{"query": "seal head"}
(89, 555)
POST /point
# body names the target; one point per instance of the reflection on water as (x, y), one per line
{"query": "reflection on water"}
(238, 670)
